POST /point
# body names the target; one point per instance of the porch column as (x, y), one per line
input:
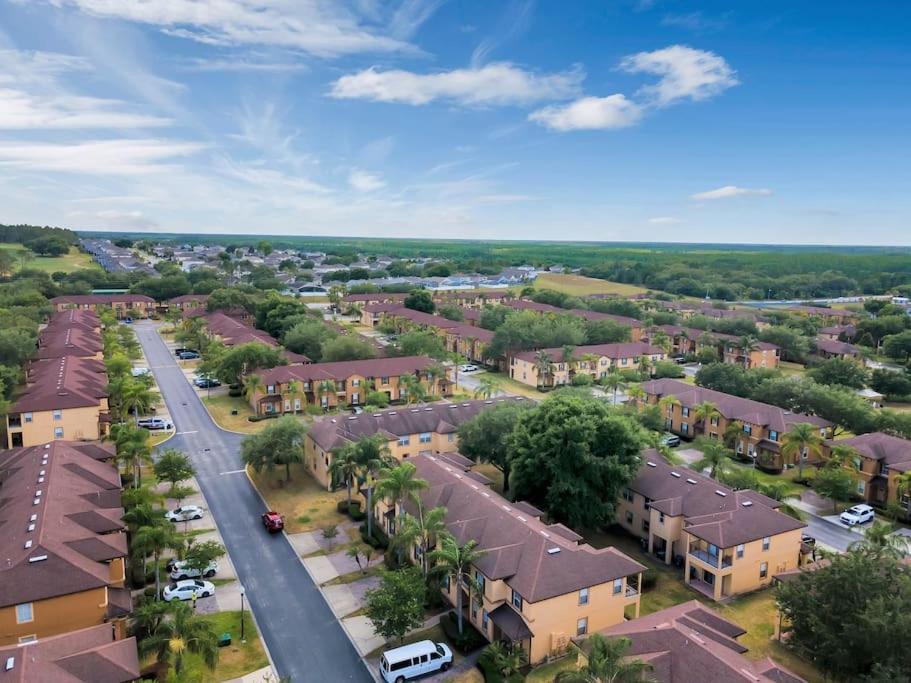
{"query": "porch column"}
(651, 542)
(716, 587)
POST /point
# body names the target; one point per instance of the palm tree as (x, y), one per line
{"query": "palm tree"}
(614, 381)
(455, 561)
(661, 339)
(155, 540)
(636, 393)
(183, 633)
(345, 467)
(133, 449)
(780, 491)
(607, 663)
(411, 387)
(422, 531)
(542, 364)
(747, 344)
(568, 350)
(252, 384)
(843, 456)
(801, 440)
(434, 374)
(292, 389)
(881, 541)
(591, 360)
(372, 456)
(147, 617)
(705, 412)
(487, 388)
(903, 490)
(400, 485)
(645, 366)
(667, 404)
(136, 399)
(732, 432)
(714, 456)
(323, 390)
(505, 658)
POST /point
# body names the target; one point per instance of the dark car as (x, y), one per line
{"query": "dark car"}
(206, 382)
(273, 522)
(188, 355)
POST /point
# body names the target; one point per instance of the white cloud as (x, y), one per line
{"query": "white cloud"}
(362, 181)
(694, 21)
(22, 110)
(590, 113)
(730, 191)
(98, 157)
(685, 73)
(320, 28)
(505, 198)
(410, 15)
(664, 220)
(494, 84)
(243, 65)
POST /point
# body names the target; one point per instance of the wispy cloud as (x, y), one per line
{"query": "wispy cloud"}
(97, 157)
(410, 16)
(664, 220)
(514, 22)
(698, 22)
(494, 84)
(505, 198)
(362, 181)
(590, 113)
(729, 191)
(243, 65)
(319, 28)
(685, 73)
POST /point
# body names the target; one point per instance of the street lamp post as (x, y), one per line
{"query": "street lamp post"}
(242, 593)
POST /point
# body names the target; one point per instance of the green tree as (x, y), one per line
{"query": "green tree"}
(396, 606)
(242, 360)
(451, 312)
(200, 555)
(880, 539)
(572, 457)
(485, 437)
(614, 382)
(503, 658)
(372, 455)
(420, 300)
(839, 371)
(412, 389)
(715, 457)
(173, 466)
(834, 483)
(400, 485)
(454, 561)
(802, 440)
(898, 346)
(345, 467)
(606, 662)
(279, 444)
(183, 633)
(487, 388)
(154, 540)
(345, 347)
(132, 448)
(307, 337)
(421, 343)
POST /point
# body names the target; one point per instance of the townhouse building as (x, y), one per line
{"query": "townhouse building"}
(541, 584)
(728, 542)
(832, 348)
(63, 541)
(686, 341)
(232, 330)
(758, 354)
(465, 340)
(288, 388)
(690, 641)
(594, 360)
(828, 316)
(760, 427)
(187, 302)
(89, 655)
(409, 431)
(123, 305)
(837, 332)
(879, 461)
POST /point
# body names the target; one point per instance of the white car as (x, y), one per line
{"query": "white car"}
(185, 513)
(154, 423)
(183, 590)
(858, 514)
(468, 368)
(180, 571)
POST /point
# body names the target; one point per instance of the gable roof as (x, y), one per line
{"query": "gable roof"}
(525, 552)
(613, 351)
(59, 383)
(836, 347)
(62, 505)
(732, 407)
(891, 450)
(106, 299)
(340, 370)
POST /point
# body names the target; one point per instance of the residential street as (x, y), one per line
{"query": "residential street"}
(304, 638)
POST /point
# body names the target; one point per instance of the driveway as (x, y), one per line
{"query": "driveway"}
(305, 641)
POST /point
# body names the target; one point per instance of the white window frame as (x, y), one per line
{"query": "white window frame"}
(31, 613)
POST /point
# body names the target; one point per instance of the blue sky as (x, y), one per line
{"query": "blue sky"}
(658, 120)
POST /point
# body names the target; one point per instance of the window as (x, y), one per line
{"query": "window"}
(685, 411)
(773, 435)
(629, 517)
(628, 495)
(24, 613)
(766, 542)
(482, 582)
(747, 429)
(740, 551)
(425, 437)
(384, 380)
(484, 619)
(645, 526)
(404, 440)
(861, 486)
(583, 596)
(58, 415)
(582, 626)
(58, 432)
(763, 570)
(618, 586)
(645, 502)
(270, 388)
(287, 405)
(355, 382)
(661, 517)
(446, 583)
(27, 416)
(684, 427)
(517, 601)
(714, 422)
(450, 438)
(28, 639)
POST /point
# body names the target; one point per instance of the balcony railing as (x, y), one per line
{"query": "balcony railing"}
(718, 561)
(631, 592)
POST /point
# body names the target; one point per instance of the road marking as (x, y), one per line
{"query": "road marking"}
(195, 431)
(232, 472)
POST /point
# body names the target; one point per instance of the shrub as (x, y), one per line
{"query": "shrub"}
(235, 392)
(379, 540)
(649, 579)
(466, 642)
(347, 508)
(311, 409)
(488, 667)
(260, 418)
(666, 368)
(582, 381)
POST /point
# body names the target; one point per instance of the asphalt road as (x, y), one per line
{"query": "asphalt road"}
(304, 639)
(833, 535)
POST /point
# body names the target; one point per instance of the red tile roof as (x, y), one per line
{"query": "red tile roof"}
(340, 370)
(67, 382)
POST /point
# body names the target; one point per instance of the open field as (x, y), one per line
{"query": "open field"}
(75, 260)
(305, 505)
(579, 285)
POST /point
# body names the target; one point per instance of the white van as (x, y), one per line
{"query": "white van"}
(411, 661)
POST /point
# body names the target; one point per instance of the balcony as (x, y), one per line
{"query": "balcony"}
(14, 421)
(717, 561)
(631, 593)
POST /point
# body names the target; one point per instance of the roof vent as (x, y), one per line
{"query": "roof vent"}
(675, 474)
(545, 534)
(651, 464)
(46, 446)
(488, 402)
(415, 410)
(553, 551)
(40, 480)
(31, 527)
(37, 558)
(691, 481)
(28, 544)
(391, 412)
(33, 518)
(353, 417)
(36, 501)
(484, 493)
(521, 518)
(747, 503)
(38, 493)
(720, 493)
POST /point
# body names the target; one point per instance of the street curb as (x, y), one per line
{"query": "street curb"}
(319, 588)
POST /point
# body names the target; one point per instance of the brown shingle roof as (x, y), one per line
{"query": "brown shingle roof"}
(339, 370)
(67, 382)
(106, 299)
(89, 655)
(442, 418)
(533, 560)
(890, 449)
(732, 407)
(522, 305)
(836, 347)
(689, 642)
(53, 508)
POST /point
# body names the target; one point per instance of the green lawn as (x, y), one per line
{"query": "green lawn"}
(579, 285)
(236, 659)
(547, 672)
(220, 408)
(305, 505)
(75, 260)
(512, 386)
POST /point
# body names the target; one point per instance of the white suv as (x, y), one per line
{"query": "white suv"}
(858, 514)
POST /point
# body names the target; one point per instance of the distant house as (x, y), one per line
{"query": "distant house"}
(828, 348)
(123, 305)
(880, 460)
(837, 332)
(690, 341)
(594, 360)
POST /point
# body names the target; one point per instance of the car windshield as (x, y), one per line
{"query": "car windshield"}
(440, 649)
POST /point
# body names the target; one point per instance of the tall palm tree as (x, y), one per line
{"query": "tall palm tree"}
(645, 366)
(542, 364)
(802, 439)
(400, 485)
(607, 662)
(411, 386)
(183, 633)
(132, 444)
(252, 384)
(422, 531)
(372, 456)
(155, 540)
(636, 393)
(325, 389)
(715, 456)
(780, 491)
(434, 374)
(732, 432)
(903, 489)
(147, 617)
(568, 350)
(487, 388)
(667, 404)
(843, 456)
(661, 339)
(614, 381)
(455, 562)
(881, 541)
(747, 344)
(345, 467)
(136, 398)
(705, 412)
